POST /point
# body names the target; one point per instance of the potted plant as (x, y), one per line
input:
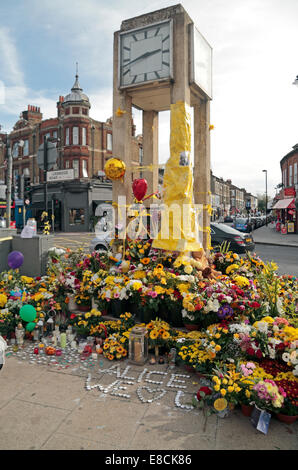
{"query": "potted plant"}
(289, 411)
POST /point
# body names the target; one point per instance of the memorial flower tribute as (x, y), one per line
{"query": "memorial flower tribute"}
(245, 315)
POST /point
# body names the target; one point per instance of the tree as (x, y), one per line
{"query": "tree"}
(262, 201)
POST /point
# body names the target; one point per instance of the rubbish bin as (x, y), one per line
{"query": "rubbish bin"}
(6, 236)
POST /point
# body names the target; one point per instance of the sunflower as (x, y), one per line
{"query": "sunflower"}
(165, 335)
(153, 334)
(106, 346)
(145, 260)
(110, 357)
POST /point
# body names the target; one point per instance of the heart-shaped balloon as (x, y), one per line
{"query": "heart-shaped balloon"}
(139, 188)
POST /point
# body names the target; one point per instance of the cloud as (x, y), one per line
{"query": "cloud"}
(9, 61)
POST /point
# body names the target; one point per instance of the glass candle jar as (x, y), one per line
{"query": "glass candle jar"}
(138, 345)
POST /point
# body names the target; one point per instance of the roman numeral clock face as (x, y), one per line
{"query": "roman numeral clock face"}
(145, 54)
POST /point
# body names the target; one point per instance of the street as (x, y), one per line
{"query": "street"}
(285, 257)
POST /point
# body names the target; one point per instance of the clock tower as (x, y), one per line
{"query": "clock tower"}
(161, 60)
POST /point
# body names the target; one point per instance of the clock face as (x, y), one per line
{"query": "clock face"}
(201, 61)
(145, 54)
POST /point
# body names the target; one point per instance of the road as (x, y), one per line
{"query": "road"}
(285, 257)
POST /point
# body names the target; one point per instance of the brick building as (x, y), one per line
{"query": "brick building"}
(83, 145)
(286, 201)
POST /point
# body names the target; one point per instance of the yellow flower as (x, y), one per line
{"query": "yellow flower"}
(217, 347)
(223, 392)
(230, 389)
(3, 300)
(216, 388)
(188, 269)
(220, 404)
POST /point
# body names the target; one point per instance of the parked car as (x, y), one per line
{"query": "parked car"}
(239, 242)
(243, 225)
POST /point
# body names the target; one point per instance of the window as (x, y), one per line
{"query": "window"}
(84, 136)
(67, 111)
(76, 167)
(55, 134)
(26, 148)
(67, 164)
(295, 173)
(84, 169)
(85, 111)
(75, 136)
(290, 175)
(47, 135)
(15, 150)
(75, 110)
(141, 155)
(109, 142)
(286, 178)
(76, 216)
(67, 136)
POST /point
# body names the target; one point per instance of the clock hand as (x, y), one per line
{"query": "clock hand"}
(143, 56)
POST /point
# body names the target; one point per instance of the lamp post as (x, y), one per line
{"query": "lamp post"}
(9, 180)
(265, 171)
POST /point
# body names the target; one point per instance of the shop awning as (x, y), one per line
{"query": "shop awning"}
(285, 204)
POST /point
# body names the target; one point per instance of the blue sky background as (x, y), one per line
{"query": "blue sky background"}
(255, 61)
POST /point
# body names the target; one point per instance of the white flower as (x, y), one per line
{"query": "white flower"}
(262, 326)
(293, 357)
(286, 357)
(295, 371)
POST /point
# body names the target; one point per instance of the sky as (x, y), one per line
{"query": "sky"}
(255, 61)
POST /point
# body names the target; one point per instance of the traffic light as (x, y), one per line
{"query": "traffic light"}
(27, 184)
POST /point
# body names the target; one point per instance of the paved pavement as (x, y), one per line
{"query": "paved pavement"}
(45, 408)
(269, 236)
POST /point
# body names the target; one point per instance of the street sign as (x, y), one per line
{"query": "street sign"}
(60, 175)
(52, 155)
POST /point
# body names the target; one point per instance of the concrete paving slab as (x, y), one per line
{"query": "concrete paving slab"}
(54, 392)
(59, 441)
(17, 377)
(27, 425)
(237, 433)
(145, 439)
(113, 424)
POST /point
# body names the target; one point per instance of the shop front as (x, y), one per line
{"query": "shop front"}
(286, 212)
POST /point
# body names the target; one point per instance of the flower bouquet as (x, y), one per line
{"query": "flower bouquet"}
(114, 348)
(267, 395)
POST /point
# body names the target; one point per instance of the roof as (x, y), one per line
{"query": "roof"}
(76, 94)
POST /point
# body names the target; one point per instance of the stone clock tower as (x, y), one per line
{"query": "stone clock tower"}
(160, 59)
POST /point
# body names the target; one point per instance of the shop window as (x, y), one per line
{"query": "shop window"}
(76, 216)
(75, 136)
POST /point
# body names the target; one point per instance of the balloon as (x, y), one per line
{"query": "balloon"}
(115, 169)
(28, 313)
(30, 326)
(139, 187)
(15, 259)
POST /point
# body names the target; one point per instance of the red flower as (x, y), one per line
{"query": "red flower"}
(72, 316)
(250, 351)
(205, 390)
(259, 354)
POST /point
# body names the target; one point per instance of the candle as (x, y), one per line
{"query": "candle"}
(94, 356)
(138, 351)
(63, 340)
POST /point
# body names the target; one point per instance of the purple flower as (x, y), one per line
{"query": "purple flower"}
(225, 311)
